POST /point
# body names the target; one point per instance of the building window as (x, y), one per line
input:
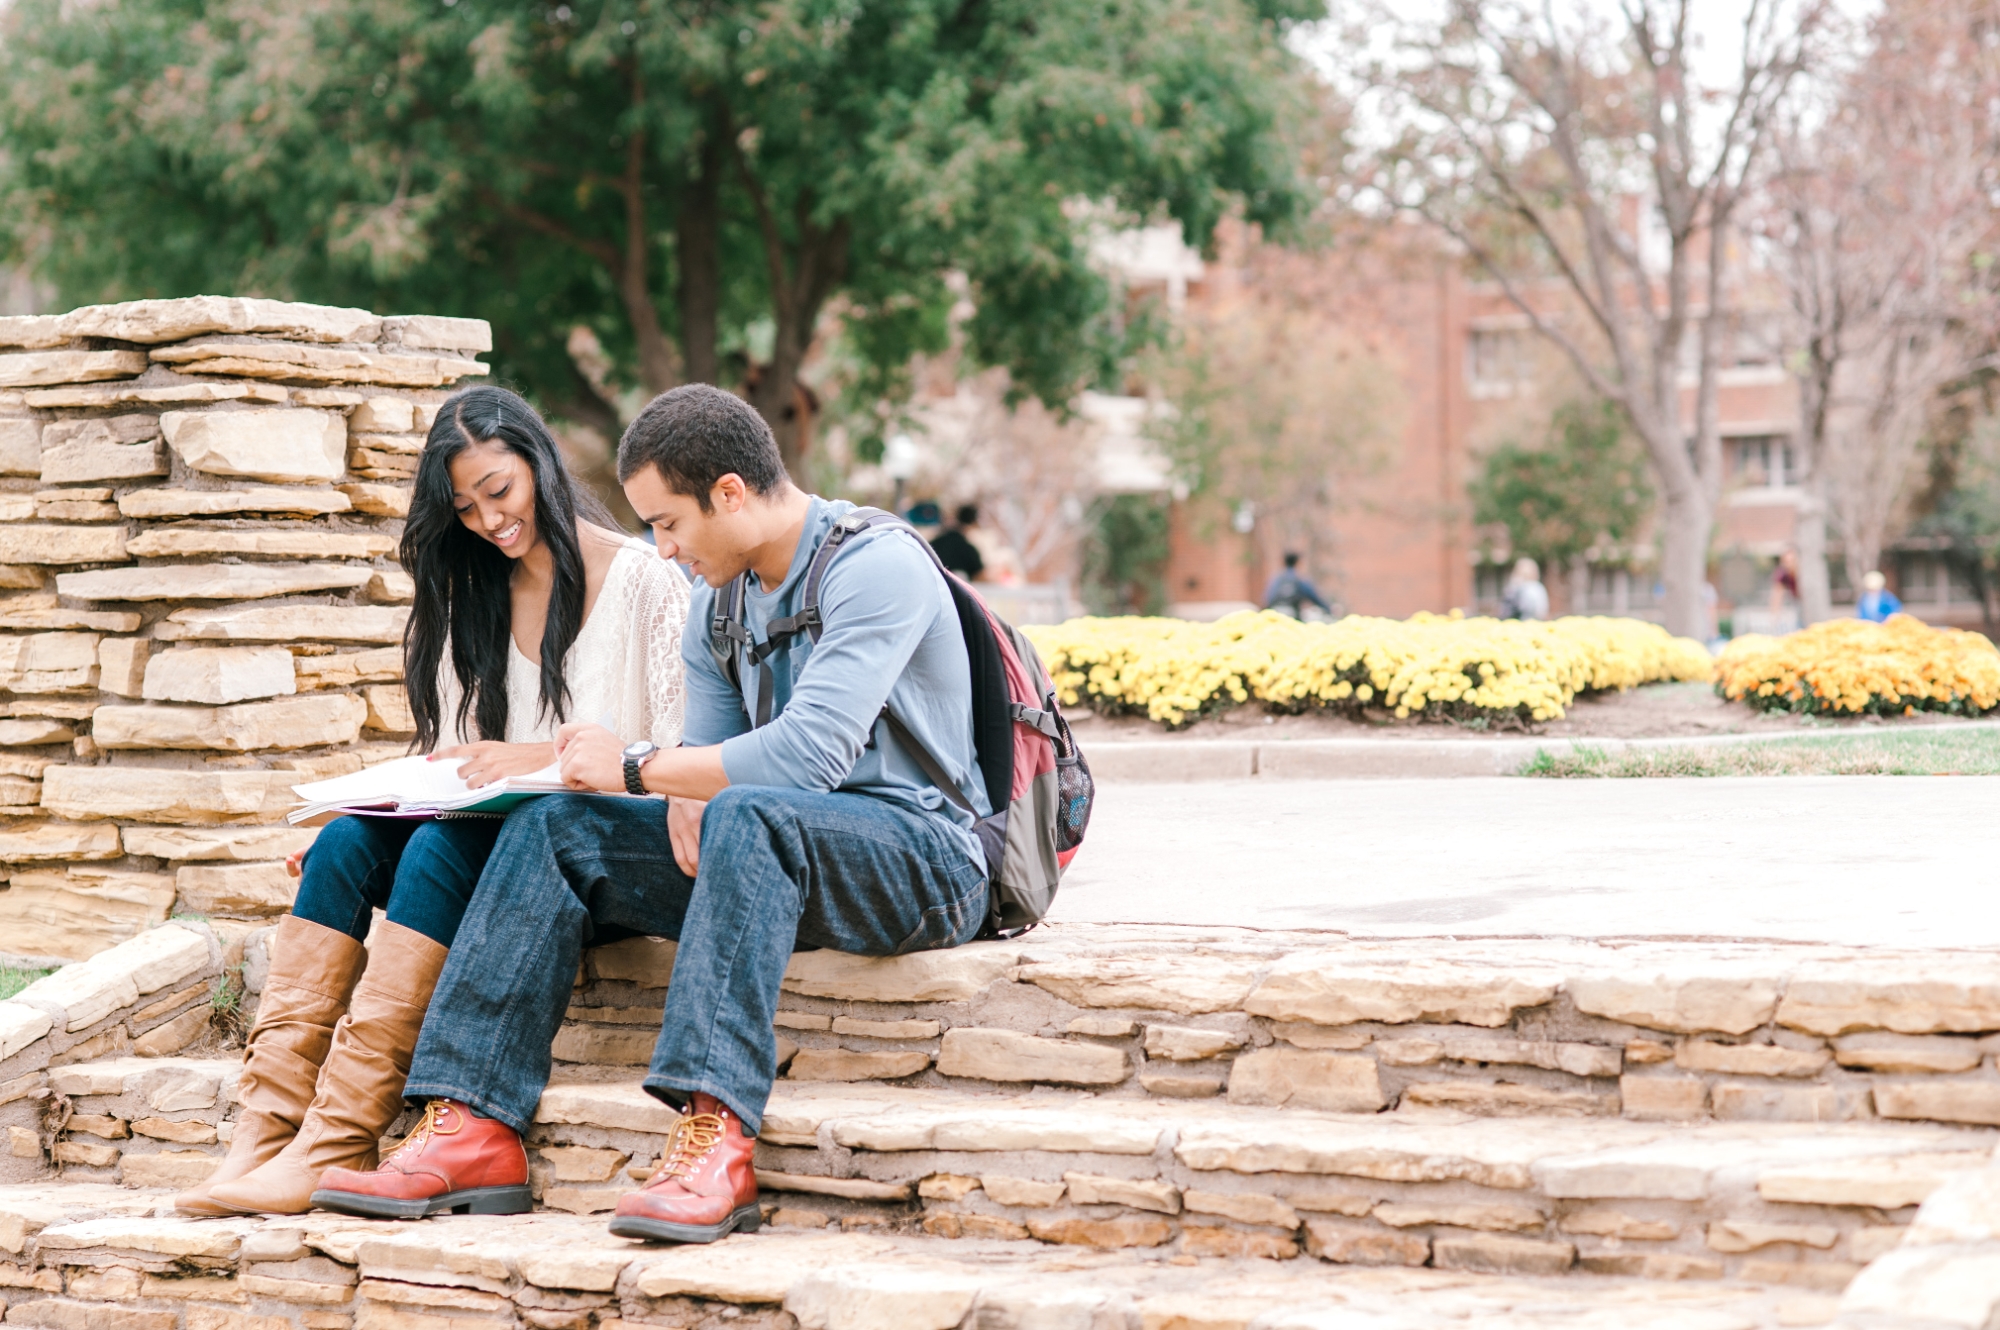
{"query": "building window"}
(1764, 461)
(1496, 359)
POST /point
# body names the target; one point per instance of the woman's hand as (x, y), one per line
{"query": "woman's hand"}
(684, 830)
(486, 761)
(295, 863)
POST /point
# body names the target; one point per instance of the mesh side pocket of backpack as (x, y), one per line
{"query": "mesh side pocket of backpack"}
(1074, 789)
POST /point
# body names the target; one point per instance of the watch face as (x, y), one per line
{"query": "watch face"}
(639, 749)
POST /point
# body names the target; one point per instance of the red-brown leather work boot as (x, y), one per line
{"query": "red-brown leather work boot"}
(705, 1187)
(455, 1162)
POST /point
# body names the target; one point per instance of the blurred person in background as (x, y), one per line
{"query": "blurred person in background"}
(1291, 591)
(954, 546)
(1877, 601)
(1785, 593)
(1525, 597)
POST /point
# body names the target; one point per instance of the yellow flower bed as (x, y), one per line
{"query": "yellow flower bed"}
(1432, 666)
(1853, 667)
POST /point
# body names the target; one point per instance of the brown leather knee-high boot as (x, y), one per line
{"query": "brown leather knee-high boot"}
(313, 971)
(361, 1085)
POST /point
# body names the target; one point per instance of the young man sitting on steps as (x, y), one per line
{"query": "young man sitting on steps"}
(814, 828)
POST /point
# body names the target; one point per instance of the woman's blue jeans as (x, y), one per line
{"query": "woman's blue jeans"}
(421, 871)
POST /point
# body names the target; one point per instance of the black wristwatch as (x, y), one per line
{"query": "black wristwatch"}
(636, 756)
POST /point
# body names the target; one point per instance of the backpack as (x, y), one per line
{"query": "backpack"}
(1037, 783)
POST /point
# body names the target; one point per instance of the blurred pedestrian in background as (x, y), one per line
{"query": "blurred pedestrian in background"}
(954, 546)
(1785, 593)
(1525, 597)
(1877, 601)
(1290, 591)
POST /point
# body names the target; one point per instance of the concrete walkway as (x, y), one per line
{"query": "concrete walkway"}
(1891, 860)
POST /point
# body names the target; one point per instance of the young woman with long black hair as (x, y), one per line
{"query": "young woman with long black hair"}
(530, 610)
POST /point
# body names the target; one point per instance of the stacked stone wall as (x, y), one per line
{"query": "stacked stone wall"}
(200, 504)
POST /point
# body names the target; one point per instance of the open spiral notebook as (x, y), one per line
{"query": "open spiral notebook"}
(418, 787)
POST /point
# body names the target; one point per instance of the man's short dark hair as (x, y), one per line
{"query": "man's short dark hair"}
(696, 435)
(968, 514)
(1291, 556)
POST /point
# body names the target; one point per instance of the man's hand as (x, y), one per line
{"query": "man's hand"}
(295, 863)
(684, 830)
(591, 758)
(487, 761)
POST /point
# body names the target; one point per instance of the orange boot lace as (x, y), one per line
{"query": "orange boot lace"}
(433, 1123)
(695, 1135)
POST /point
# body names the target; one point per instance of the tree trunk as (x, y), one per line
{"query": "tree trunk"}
(1815, 595)
(1684, 563)
(699, 231)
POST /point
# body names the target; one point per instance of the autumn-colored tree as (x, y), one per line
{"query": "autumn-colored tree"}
(1880, 226)
(1586, 164)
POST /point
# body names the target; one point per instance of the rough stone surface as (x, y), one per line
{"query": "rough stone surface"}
(1948, 997)
(954, 975)
(1750, 1059)
(78, 912)
(1663, 1098)
(840, 1064)
(48, 662)
(121, 665)
(293, 722)
(20, 446)
(1008, 1190)
(1334, 1082)
(59, 840)
(1907, 1052)
(1735, 1236)
(87, 459)
(150, 322)
(1940, 1101)
(1364, 1244)
(61, 544)
(1179, 1043)
(1329, 989)
(237, 889)
(184, 542)
(281, 444)
(1492, 1218)
(32, 369)
(1884, 1184)
(151, 795)
(1091, 1189)
(1491, 1254)
(1187, 985)
(1002, 1055)
(286, 623)
(219, 675)
(201, 843)
(1110, 1234)
(1244, 1207)
(380, 500)
(210, 581)
(1510, 1101)
(157, 503)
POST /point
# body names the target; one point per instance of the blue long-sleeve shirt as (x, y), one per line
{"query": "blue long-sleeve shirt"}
(890, 634)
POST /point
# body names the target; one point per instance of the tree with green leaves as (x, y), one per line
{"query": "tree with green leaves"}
(699, 184)
(1583, 486)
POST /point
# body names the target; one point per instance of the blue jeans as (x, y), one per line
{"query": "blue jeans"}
(420, 871)
(781, 870)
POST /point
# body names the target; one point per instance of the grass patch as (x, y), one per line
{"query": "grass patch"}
(1927, 752)
(13, 980)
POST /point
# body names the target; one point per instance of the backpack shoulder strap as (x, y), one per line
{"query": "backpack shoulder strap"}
(726, 632)
(848, 527)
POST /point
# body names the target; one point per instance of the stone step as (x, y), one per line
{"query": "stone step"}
(1640, 1030)
(85, 1257)
(1805, 1204)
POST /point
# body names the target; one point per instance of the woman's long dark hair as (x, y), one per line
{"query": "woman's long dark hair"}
(462, 580)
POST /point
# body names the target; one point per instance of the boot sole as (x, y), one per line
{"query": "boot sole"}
(745, 1220)
(470, 1201)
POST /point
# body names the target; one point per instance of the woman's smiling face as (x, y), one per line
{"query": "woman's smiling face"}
(493, 492)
